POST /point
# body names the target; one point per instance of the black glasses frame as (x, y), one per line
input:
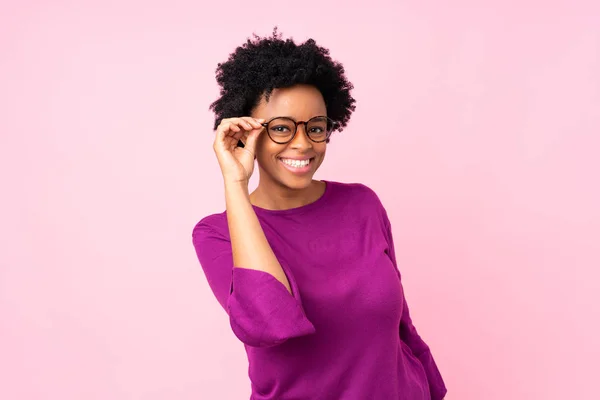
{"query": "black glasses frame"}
(334, 125)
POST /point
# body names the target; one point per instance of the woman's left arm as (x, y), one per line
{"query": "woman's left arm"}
(409, 334)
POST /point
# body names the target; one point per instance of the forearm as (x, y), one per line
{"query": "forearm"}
(249, 245)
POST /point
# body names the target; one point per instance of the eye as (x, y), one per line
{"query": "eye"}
(280, 128)
(316, 129)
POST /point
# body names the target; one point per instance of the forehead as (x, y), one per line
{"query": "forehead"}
(300, 101)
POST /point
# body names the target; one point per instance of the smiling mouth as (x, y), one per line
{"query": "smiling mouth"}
(298, 164)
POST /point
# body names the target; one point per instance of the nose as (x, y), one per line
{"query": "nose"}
(301, 140)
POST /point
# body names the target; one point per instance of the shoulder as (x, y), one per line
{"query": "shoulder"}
(356, 192)
(211, 226)
(361, 199)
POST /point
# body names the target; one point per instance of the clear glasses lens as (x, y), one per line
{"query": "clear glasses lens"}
(319, 128)
(281, 130)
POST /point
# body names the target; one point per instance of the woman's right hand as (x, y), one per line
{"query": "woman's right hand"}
(237, 163)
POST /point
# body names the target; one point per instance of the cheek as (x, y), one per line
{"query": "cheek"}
(320, 155)
(265, 150)
(322, 150)
(261, 149)
(322, 158)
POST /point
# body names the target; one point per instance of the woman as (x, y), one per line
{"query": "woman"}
(304, 268)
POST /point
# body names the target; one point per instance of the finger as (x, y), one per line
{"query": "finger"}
(229, 125)
(238, 135)
(233, 128)
(220, 142)
(248, 125)
(256, 123)
(241, 122)
(245, 136)
(223, 138)
(252, 138)
(224, 127)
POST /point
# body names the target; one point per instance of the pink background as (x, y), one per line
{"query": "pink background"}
(478, 125)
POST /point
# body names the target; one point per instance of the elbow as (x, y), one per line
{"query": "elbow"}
(262, 312)
(267, 326)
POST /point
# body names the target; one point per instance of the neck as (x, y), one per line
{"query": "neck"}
(271, 195)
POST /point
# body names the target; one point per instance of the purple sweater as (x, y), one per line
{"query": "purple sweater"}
(345, 331)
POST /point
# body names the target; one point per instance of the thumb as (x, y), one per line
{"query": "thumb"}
(251, 141)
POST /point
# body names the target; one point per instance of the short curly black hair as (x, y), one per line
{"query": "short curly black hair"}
(263, 64)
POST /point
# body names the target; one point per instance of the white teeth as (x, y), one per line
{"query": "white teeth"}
(296, 163)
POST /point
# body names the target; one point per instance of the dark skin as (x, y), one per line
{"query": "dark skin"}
(279, 187)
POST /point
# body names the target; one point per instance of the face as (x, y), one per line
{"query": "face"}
(301, 103)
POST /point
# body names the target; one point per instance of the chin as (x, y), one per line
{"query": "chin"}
(296, 183)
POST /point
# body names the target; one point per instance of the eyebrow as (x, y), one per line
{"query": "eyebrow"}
(294, 119)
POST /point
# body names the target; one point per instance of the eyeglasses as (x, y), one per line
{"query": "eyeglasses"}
(282, 130)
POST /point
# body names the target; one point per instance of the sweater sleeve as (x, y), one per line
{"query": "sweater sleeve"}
(262, 313)
(410, 336)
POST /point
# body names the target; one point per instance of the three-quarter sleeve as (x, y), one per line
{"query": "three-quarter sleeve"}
(409, 334)
(261, 310)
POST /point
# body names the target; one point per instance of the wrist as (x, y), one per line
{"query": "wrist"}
(236, 188)
(235, 184)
